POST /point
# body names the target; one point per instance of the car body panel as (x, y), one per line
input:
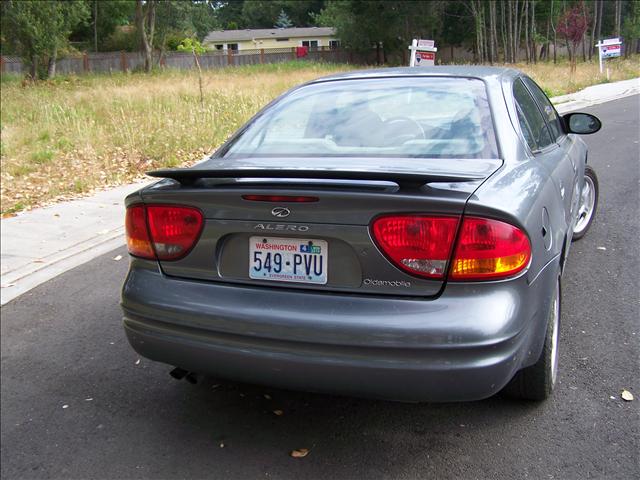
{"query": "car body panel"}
(433, 340)
(464, 346)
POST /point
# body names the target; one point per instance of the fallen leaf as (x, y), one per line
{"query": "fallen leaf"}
(279, 413)
(56, 215)
(626, 395)
(117, 257)
(300, 453)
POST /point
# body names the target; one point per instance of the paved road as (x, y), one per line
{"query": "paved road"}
(62, 345)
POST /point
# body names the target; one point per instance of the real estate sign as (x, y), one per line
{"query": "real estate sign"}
(423, 53)
(608, 48)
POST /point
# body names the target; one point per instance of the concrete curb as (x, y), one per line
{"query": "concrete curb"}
(39, 245)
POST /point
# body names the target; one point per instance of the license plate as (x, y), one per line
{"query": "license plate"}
(288, 259)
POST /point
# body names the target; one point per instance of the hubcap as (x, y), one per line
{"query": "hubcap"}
(555, 321)
(587, 202)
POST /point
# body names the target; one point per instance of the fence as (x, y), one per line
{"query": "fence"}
(126, 61)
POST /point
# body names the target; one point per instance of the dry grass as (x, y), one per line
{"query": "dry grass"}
(66, 138)
(558, 80)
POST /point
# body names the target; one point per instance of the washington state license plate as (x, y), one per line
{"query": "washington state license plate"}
(288, 259)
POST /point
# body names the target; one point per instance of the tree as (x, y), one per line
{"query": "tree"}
(386, 26)
(106, 17)
(145, 25)
(283, 20)
(262, 13)
(572, 26)
(631, 28)
(39, 31)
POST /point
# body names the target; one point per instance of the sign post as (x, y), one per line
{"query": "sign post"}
(608, 48)
(423, 53)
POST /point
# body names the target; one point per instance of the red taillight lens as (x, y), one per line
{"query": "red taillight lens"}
(280, 198)
(138, 241)
(489, 249)
(172, 230)
(418, 244)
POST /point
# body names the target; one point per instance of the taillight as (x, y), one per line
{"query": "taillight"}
(418, 244)
(489, 249)
(168, 231)
(280, 198)
(138, 241)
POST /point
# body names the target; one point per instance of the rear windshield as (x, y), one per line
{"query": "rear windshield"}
(383, 117)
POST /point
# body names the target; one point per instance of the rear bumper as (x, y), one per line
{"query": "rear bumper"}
(465, 345)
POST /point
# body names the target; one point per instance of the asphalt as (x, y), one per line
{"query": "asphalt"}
(62, 345)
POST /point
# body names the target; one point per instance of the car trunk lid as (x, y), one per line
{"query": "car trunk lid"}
(335, 224)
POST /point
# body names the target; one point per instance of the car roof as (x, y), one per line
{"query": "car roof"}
(467, 71)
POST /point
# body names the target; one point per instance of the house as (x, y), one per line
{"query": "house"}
(311, 37)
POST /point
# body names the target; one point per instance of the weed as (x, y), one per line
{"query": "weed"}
(42, 156)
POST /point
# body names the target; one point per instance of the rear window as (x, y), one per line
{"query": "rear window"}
(385, 117)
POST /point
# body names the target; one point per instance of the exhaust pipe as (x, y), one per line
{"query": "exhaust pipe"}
(178, 373)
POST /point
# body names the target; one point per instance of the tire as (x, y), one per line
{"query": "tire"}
(538, 381)
(588, 204)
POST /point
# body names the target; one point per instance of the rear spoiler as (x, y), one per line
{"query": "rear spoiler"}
(188, 176)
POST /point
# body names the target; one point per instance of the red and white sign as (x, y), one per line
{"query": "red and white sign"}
(608, 48)
(423, 53)
(425, 58)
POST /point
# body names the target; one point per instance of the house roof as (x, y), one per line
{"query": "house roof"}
(262, 33)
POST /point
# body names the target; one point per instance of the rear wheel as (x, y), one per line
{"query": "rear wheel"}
(588, 204)
(537, 381)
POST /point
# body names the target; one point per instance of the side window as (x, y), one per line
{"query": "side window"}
(526, 130)
(532, 119)
(545, 105)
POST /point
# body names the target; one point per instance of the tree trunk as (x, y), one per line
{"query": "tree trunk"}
(95, 25)
(618, 17)
(600, 15)
(145, 18)
(592, 38)
(526, 31)
(503, 33)
(492, 29)
(534, 32)
(34, 67)
(510, 31)
(546, 46)
(519, 31)
(555, 36)
(51, 67)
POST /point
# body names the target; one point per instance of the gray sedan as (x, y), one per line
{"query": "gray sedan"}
(398, 234)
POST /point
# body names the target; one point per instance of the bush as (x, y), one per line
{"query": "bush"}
(122, 39)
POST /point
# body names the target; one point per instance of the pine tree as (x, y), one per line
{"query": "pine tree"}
(283, 20)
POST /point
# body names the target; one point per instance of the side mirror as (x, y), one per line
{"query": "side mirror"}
(581, 123)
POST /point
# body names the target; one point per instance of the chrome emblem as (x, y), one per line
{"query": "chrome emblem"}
(280, 212)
